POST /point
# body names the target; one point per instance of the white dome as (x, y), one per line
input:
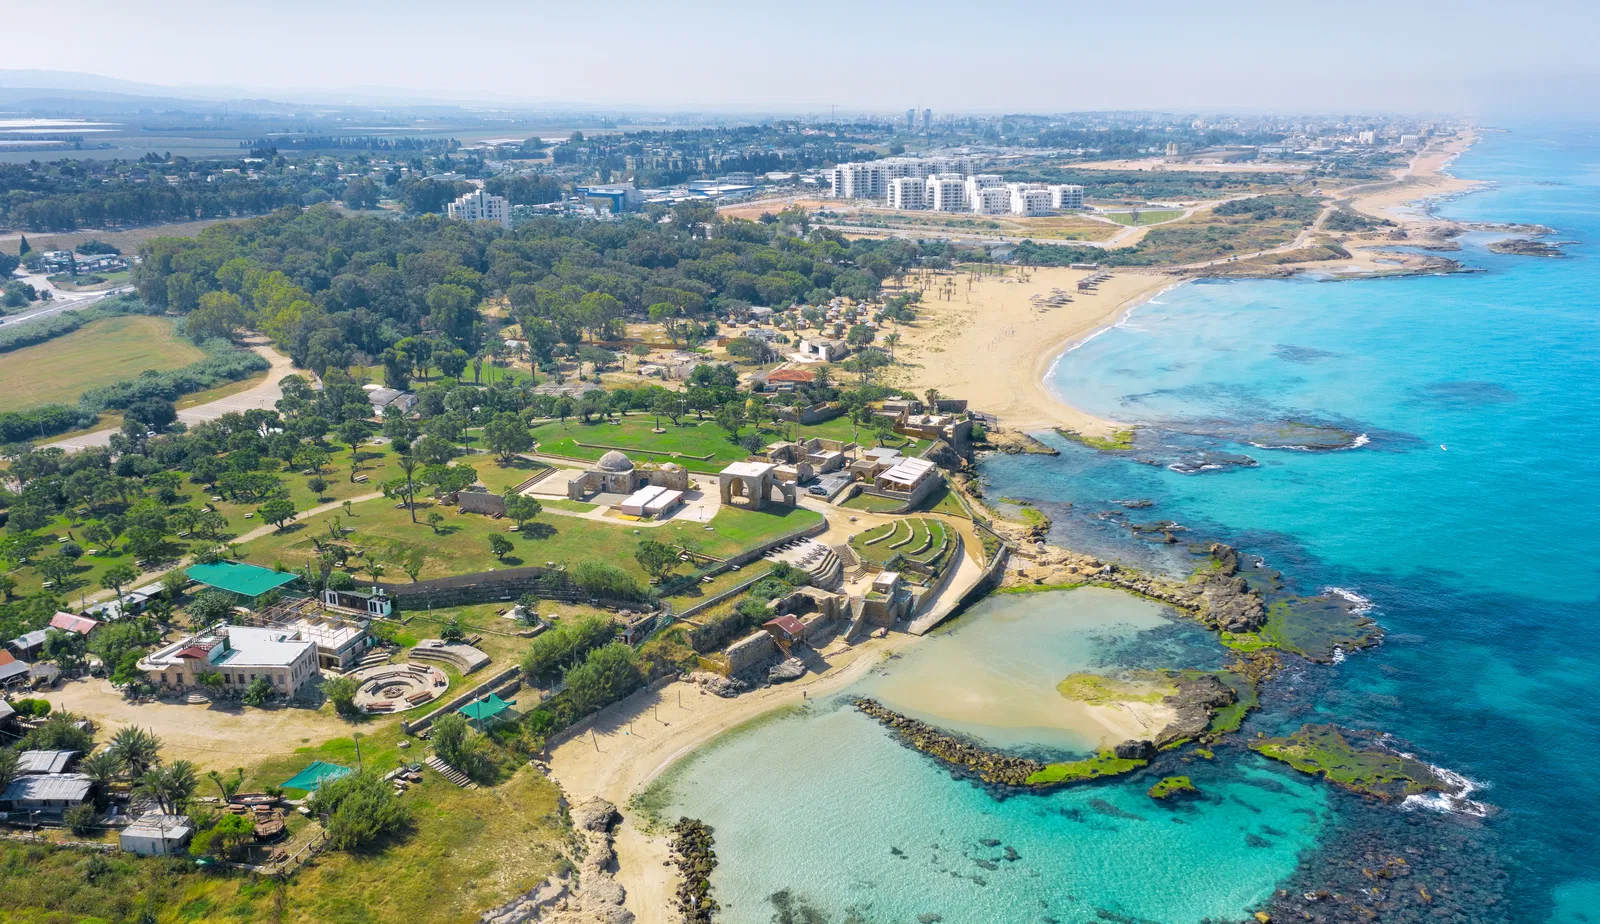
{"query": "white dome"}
(614, 461)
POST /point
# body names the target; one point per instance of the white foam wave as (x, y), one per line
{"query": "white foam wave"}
(1358, 604)
(1338, 656)
(1360, 440)
(1453, 800)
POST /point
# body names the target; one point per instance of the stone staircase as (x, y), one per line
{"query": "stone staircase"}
(814, 558)
(373, 658)
(450, 773)
(853, 569)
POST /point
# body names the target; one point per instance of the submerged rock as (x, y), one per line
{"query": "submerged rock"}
(1172, 787)
(1322, 750)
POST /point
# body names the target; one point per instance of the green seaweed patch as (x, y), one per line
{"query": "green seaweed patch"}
(1102, 765)
(1322, 750)
(1246, 698)
(1038, 588)
(1314, 628)
(1100, 690)
(1172, 786)
(1243, 642)
(1118, 441)
(1207, 753)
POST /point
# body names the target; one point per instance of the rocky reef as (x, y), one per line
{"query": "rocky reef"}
(1172, 787)
(1526, 247)
(988, 766)
(1323, 750)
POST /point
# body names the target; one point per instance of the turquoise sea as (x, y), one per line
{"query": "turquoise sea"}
(1465, 519)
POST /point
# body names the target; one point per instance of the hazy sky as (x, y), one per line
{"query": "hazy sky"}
(1464, 55)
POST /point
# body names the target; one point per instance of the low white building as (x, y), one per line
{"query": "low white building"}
(240, 654)
(156, 834)
(480, 206)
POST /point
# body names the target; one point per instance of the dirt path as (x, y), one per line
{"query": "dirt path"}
(263, 396)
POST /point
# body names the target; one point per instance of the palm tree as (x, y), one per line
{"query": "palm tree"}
(135, 749)
(228, 787)
(102, 769)
(170, 787)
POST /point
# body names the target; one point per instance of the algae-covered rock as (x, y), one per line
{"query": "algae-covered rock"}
(1323, 750)
(1171, 787)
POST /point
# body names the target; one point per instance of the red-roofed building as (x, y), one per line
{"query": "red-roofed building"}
(69, 622)
(6, 657)
(787, 379)
(785, 629)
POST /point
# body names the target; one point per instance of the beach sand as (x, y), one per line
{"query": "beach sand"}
(992, 346)
(635, 740)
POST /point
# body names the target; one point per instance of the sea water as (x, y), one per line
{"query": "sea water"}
(1465, 518)
(823, 812)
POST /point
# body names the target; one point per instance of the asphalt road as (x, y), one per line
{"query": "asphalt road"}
(64, 302)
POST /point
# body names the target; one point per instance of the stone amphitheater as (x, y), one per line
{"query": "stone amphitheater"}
(389, 688)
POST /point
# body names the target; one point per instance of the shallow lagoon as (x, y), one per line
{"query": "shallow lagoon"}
(817, 802)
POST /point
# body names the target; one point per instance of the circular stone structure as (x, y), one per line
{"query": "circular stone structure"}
(386, 688)
(614, 461)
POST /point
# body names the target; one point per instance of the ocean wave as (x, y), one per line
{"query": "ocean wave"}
(1358, 604)
(1360, 440)
(1454, 800)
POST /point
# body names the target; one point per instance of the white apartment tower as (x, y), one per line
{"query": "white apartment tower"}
(1029, 198)
(982, 200)
(1065, 196)
(947, 192)
(908, 192)
(480, 206)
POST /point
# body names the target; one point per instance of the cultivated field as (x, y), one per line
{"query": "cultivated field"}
(100, 353)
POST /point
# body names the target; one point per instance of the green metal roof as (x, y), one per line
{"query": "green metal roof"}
(236, 577)
(485, 709)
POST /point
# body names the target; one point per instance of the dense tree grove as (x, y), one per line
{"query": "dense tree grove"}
(333, 291)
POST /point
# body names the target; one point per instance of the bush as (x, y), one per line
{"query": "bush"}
(608, 581)
(341, 691)
(362, 808)
(565, 644)
(80, 819)
(605, 676)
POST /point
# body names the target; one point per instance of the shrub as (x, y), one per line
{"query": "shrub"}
(565, 644)
(80, 819)
(605, 676)
(362, 808)
(603, 580)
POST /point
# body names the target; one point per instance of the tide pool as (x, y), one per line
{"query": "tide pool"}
(825, 806)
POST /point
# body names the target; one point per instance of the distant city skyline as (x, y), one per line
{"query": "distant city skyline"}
(1470, 56)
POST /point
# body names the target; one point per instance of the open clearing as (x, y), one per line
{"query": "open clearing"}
(100, 353)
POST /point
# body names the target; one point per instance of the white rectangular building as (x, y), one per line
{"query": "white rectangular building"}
(480, 206)
(908, 192)
(989, 200)
(947, 192)
(1066, 196)
(1029, 199)
(240, 654)
(156, 834)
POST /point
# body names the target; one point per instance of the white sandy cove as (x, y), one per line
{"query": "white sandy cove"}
(993, 346)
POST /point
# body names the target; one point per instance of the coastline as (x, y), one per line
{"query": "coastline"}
(1008, 376)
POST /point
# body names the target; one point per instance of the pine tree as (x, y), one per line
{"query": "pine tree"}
(23, 248)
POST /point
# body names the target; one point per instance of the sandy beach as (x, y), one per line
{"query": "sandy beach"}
(991, 345)
(634, 741)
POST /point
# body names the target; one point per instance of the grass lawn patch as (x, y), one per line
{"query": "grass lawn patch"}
(100, 353)
(873, 504)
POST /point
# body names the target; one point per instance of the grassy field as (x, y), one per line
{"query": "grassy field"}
(1145, 216)
(918, 539)
(100, 353)
(691, 439)
(461, 544)
(1041, 227)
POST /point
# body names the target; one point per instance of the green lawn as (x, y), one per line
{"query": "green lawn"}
(919, 539)
(99, 353)
(461, 545)
(691, 439)
(873, 503)
(1146, 216)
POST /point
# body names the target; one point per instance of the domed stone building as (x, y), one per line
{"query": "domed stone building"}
(615, 473)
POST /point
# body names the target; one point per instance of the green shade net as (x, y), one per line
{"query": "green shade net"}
(315, 775)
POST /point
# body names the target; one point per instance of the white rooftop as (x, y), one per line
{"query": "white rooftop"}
(908, 471)
(748, 469)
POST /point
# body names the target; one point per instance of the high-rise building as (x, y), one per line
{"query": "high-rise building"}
(1066, 196)
(911, 120)
(927, 119)
(480, 206)
(908, 192)
(947, 192)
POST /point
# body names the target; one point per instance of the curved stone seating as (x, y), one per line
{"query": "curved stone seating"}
(465, 657)
(398, 687)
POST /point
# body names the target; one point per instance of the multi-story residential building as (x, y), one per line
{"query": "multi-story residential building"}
(1029, 198)
(908, 192)
(988, 200)
(480, 206)
(947, 192)
(870, 179)
(1066, 196)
